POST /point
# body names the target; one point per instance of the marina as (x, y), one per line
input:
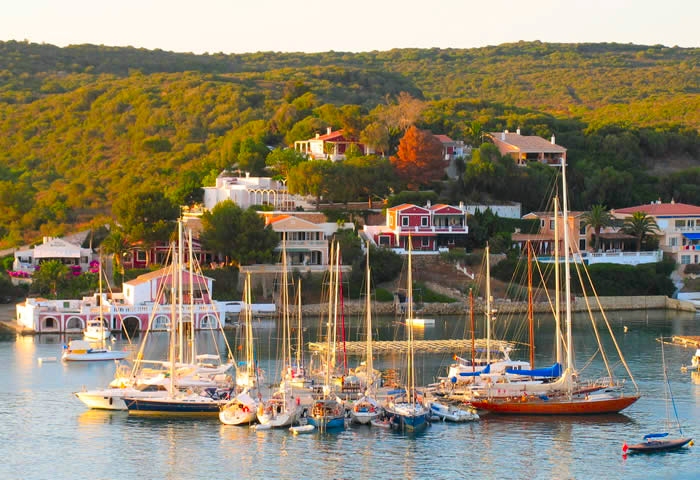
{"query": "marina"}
(38, 401)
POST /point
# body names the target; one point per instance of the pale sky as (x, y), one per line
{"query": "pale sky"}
(235, 26)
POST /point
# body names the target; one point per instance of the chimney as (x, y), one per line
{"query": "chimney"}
(428, 204)
(328, 130)
(318, 135)
(553, 142)
(503, 136)
(518, 131)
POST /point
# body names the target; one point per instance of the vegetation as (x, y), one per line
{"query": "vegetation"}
(86, 126)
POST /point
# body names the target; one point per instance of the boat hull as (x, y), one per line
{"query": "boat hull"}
(94, 356)
(659, 445)
(168, 406)
(590, 406)
(327, 423)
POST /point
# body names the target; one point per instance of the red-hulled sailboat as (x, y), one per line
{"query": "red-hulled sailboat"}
(576, 398)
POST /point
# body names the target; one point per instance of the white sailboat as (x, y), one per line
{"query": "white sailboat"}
(327, 411)
(406, 412)
(243, 408)
(282, 409)
(367, 408)
(85, 351)
(205, 402)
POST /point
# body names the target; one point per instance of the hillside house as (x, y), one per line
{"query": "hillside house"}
(432, 228)
(528, 148)
(679, 228)
(331, 146)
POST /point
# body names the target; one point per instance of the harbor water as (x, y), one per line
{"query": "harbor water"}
(47, 433)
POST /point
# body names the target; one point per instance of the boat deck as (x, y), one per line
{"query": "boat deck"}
(692, 341)
(429, 346)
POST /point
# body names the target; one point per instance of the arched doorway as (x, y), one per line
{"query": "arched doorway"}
(161, 322)
(131, 326)
(49, 324)
(208, 322)
(75, 324)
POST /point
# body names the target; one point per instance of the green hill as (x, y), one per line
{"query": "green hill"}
(84, 124)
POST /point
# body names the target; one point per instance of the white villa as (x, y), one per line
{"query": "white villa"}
(52, 249)
(679, 228)
(247, 191)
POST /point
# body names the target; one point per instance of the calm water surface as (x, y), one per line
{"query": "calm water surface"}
(47, 433)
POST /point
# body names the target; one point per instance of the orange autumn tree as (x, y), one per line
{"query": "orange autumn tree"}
(418, 160)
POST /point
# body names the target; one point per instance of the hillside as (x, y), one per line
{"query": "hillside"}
(84, 125)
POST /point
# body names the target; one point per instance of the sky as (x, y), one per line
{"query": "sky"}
(238, 26)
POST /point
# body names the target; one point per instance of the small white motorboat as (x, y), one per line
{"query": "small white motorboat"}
(82, 351)
(381, 423)
(302, 429)
(451, 413)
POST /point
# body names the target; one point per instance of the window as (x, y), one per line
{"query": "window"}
(423, 221)
(542, 223)
(673, 241)
(551, 224)
(685, 259)
(385, 240)
(140, 256)
(425, 242)
(582, 244)
(404, 221)
(582, 228)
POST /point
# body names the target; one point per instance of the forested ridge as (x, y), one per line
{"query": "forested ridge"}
(83, 125)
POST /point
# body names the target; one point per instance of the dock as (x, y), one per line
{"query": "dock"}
(688, 341)
(419, 346)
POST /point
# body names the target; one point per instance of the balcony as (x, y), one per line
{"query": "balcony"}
(461, 229)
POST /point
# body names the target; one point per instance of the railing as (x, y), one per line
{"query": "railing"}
(436, 229)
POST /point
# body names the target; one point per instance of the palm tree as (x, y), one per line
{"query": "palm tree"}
(597, 218)
(50, 274)
(640, 225)
(117, 245)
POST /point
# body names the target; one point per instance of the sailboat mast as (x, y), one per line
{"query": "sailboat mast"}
(409, 326)
(471, 325)
(180, 255)
(250, 370)
(173, 318)
(369, 362)
(300, 343)
(102, 322)
(286, 353)
(530, 313)
(567, 270)
(557, 280)
(488, 306)
(193, 352)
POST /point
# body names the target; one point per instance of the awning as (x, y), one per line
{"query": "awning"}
(692, 236)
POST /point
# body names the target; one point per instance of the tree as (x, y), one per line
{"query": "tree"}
(640, 225)
(310, 178)
(376, 135)
(284, 159)
(419, 160)
(117, 245)
(238, 236)
(597, 218)
(146, 216)
(50, 275)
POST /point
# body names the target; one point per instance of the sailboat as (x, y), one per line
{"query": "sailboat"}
(658, 442)
(85, 351)
(282, 409)
(569, 397)
(242, 409)
(406, 412)
(367, 408)
(206, 402)
(327, 411)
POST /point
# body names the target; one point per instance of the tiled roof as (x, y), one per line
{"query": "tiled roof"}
(444, 138)
(330, 136)
(661, 209)
(527, 143)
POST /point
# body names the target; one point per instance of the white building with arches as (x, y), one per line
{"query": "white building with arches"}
(248, 191)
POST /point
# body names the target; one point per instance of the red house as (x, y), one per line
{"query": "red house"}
(431, 228)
